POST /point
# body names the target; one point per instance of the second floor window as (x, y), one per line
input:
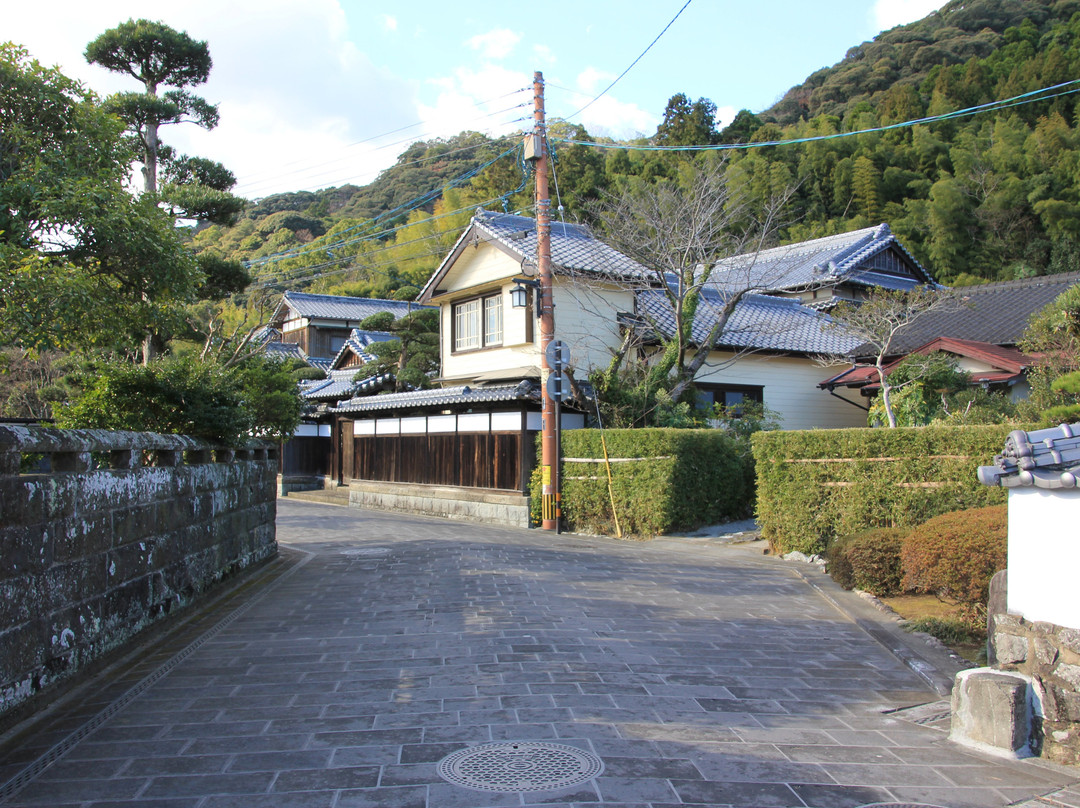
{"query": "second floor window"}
(478, 323)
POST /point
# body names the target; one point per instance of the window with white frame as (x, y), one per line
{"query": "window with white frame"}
(478, 323)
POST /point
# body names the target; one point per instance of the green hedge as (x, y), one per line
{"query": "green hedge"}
(814, 486)
(704, 477)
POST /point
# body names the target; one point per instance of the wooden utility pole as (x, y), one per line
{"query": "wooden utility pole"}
(549, 457)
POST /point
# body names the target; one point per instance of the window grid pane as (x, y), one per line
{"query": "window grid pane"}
(493, 320)
(467, 325)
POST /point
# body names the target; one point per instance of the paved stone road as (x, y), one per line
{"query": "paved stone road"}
(699, 674)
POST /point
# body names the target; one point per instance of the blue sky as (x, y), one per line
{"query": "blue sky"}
(315, 93)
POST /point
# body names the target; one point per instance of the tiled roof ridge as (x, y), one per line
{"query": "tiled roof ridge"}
(1018, 283)
(857, 237)
(293, 295)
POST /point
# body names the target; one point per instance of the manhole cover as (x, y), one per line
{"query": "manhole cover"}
(516, 767)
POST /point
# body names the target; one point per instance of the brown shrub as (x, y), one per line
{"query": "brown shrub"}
(868, 560)
(955, 555)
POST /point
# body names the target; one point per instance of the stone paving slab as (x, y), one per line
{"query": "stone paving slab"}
(699, 673)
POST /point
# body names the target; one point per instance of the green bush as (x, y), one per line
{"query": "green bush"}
(814, 486)
(187, 396)
(868, 560)
(955, 555)
(686, 478)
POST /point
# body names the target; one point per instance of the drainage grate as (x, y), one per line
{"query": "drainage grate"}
(899, 805)
(518, 767)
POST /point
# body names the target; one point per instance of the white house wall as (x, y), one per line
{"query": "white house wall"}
(790, 388)
(484, 269)
(585, 319)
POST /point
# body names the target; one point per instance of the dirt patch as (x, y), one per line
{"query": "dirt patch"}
(928, 614)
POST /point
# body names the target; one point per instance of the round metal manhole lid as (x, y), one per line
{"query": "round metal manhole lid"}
(519, 766)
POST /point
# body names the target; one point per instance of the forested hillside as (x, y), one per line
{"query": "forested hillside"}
(987, 196)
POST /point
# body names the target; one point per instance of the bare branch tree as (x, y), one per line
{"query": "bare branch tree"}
(883, 317)
(681, 234)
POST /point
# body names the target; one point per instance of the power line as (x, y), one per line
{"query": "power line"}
(638, 59)
(990, 106)
(389, 231)
(409, 140)
(253, 178)
(412, 204)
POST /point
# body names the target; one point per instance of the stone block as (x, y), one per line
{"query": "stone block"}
(1071, 674)
(24, 550)
(1046, 653)
(71, 462)
(21, 501)
(78, 537)
(991, 710)
(1010, 649)
(22, 651)
(1070, 638)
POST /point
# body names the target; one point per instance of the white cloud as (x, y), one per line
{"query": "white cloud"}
(724, 116)
(497, 44)
(544, 54)
(389, 23)
(607, 116)
(476, 100)
(887, 14)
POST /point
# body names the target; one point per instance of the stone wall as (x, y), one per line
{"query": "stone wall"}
(1050, 656)
(103, 533)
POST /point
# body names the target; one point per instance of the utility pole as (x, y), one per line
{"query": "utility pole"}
(549, 455)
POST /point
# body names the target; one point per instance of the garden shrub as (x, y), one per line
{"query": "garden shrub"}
(868, 560)
(187, 396)
(955, 555)
(686, 478)
(816, 485)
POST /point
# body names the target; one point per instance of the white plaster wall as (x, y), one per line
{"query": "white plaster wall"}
(585, 319)
(790, 388)
(1044, 555)
(482, 270)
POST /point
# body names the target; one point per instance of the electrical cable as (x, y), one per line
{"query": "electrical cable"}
(638, 59)
(409, 140)
(402, 129)
(991, 106)
(375, 236)
(412, 204)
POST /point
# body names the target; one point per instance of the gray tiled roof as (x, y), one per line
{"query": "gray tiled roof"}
(997, 313)
(759, 322)
(823, 261)
(334, 307)
(446, 397)
(574, 249)
(338, 385)
(357, 342)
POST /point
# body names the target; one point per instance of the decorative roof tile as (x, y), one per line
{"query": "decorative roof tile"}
(1045, 458)
(453, 397)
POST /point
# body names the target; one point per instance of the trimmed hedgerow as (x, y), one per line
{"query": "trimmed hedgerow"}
(868, 560)
(813, 486)
(955, 555)
(686, 478)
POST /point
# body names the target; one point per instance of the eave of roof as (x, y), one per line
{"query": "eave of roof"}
(452, 397)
